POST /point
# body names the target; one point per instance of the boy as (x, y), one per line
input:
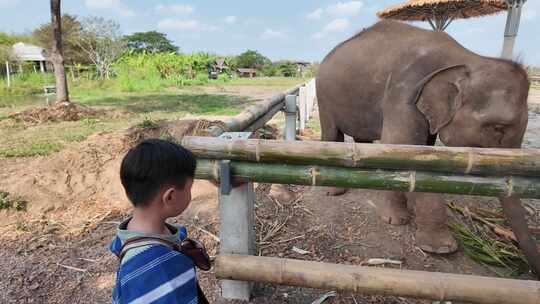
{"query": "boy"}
(157, 176)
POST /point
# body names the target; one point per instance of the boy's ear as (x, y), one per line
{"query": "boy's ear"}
(168, 195)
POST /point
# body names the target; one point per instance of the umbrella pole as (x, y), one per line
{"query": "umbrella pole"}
(512, 27)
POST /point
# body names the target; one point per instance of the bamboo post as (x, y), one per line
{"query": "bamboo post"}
(41, 67)
(406, 181)
(372, 280)
(8, 74)
(290, 117)
(236, 234)
(455, 160)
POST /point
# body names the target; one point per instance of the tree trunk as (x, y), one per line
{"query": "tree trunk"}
(57, 56)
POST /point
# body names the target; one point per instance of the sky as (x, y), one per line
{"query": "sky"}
(293, 29)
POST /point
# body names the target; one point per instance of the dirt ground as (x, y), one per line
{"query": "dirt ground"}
(56, 251)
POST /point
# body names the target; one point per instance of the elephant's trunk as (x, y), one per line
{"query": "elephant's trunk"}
(515, 213)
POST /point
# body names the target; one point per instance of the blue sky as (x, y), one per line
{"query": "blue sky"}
(294, 29)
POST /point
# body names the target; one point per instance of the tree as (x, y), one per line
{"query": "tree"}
(102, 42)
(251, 59)
(56, 55)
(71, 33)
(151, 42)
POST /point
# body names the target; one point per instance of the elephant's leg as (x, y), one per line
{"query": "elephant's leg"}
(330, 132)
(392, 208)
(432, 233)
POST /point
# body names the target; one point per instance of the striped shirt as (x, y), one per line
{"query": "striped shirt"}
(153, 273)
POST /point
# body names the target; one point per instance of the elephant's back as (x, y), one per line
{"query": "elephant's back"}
(353, 76)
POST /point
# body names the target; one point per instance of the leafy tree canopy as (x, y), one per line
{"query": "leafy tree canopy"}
(251, 59)
(150, 42)
(71, 34)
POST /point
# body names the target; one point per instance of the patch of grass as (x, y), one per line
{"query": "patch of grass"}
(198, 104)
(20, 140)
(32, 149)
(486, 250)
(17, 203)
(148, 123)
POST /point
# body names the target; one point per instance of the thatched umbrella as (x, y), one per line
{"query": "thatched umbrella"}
(440, 13)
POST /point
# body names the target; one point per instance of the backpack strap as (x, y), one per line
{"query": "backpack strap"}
(142, 241)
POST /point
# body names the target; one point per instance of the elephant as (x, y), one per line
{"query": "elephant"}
(400, 84)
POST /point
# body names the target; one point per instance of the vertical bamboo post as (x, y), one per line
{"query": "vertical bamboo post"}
(237, 234)
(290, 117)
(8, 74)
(41, 67)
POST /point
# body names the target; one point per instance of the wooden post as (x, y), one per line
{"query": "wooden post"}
(8, 74)
(236, 234)
(290, 117)
(41, 67)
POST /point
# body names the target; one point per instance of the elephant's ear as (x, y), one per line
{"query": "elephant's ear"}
(440, 95)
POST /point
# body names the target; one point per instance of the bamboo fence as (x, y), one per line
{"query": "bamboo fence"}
(370, 280)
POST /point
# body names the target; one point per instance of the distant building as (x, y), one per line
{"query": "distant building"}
(217, 67)
(244, 72)
(25, 52)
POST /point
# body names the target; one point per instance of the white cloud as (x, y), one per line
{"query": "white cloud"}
(351, 8)
(316, 14)
(273, 34)
(186, 24)
(181, 9)
(337, 25)
(114, 5)
(230, 19)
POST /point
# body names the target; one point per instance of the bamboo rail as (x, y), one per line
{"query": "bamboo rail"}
(477, 161)
(371, 280)
(408, 181)
(252, 114)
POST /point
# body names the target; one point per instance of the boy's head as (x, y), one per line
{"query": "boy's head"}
(158, 172)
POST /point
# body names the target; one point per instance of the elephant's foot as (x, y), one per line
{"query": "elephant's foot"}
(393, 210)
(335, 191)
(439, 241)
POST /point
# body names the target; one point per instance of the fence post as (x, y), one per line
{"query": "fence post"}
(237, 232)
(302, 99)
(290, 117)
(8, 74)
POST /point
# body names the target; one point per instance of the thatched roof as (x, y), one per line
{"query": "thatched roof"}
(422, 10)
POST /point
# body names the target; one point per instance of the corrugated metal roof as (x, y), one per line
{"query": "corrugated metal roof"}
(28, 52)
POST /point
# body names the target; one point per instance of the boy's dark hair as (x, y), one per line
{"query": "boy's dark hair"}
(152, 164)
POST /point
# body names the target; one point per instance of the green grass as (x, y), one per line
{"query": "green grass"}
(22, 140)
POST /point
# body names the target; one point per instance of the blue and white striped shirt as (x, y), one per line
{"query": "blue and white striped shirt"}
(153, 273)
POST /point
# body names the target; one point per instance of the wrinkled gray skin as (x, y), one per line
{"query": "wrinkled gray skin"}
(404, 85)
